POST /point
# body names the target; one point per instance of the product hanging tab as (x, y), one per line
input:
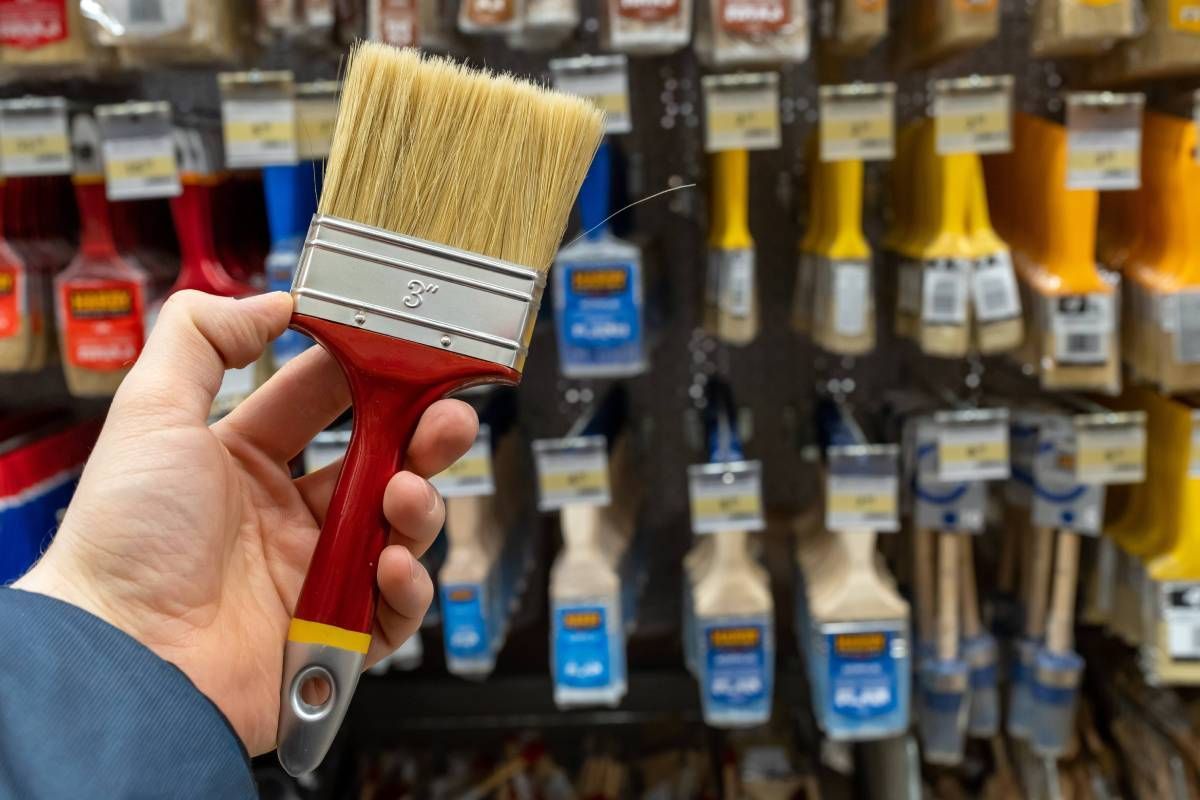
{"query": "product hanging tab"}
(33, 137)
(862, 487)
(1104, 139)
(972, 445)
(258, 113)
(858, 122)
(547, 25)
(973, 114)
(854, 26)
(602, 79)
(138, 150)
(571, 471)
(1082, 27)
(741, 112)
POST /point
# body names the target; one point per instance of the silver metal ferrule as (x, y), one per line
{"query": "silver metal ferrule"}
(424, 292)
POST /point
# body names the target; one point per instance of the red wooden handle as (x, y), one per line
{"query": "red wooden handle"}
(392, 382)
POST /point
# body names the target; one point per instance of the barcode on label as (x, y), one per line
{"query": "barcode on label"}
(145, 11)
(945, 295)
(1085, 345)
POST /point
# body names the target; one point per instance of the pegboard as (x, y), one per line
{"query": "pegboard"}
(775, 376)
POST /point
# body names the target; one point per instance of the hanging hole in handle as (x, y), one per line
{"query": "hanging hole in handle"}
(313, 692)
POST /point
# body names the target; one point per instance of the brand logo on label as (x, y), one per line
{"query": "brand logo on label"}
(754, 16)
(463, 594)
(859, 644)
(418, 289)
(100, 302)
(648, 10)
(735, 637)
(581, 620)
(599, 281)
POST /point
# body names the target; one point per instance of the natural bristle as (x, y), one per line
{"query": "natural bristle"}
(425, 147)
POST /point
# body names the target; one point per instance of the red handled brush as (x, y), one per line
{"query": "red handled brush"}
(446, 195)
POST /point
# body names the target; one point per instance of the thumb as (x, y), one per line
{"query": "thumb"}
(196, 338)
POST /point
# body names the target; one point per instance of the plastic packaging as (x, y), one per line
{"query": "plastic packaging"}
(1081, 27)
(1055, 685)
(648, 26)
(598, 295)
(1170, 45)
(938, 29)
(171, 31)
(858, 25)
(735, 32)
(943, 715)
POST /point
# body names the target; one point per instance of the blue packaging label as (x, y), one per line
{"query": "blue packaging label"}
(865, 673)
(582, 658)
(463, 623)
(737, 664)
(599, 316)
(281, 265)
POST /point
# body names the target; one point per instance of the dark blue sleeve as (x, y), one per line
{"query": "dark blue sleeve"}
(86, 711)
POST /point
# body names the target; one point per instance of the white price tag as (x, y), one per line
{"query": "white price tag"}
(602, 79)
(1104, 140)
(973, 115)
(858, 122)
(34, 139)
(726, 497)
(471, 475)
(258, 119)
(1180, 609)
(851, 296)
(572, 471)
(138, 168)
(994, 285)
(1110, 454)
(944, 291)
(735, 281)
(1186, 310)
(741, 112)
(1083, 325)
(862, 488)
(973, 450)
(316, 117)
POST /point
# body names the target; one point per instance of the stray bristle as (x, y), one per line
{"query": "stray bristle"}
(425, 147)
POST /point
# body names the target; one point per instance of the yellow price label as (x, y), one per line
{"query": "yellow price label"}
(985, 452)
(1118, 458)
(979, 123)
(265, 133)
(582, 482)
(614, 104)
(140, 169)
(870, 504)
(840, 130)
(468, 469)
(749, 122)
(39, 146)
(1102, 160)
(747, 505)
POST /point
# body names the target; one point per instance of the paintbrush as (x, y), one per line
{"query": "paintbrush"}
(446, 195)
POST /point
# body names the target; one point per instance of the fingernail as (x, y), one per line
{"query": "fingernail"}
(431, 497)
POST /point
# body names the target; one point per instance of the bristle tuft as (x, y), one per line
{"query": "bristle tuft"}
(425, 147)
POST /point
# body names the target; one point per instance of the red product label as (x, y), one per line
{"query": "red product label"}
(486, 13)
(104, 327)
(10, 300)
(32, 23)
(398, 22)
(751, 17)
(647, 10)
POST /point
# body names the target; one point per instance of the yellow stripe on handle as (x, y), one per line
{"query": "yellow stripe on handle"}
(305, 632)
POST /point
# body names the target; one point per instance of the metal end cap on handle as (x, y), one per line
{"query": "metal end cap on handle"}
(307, 731)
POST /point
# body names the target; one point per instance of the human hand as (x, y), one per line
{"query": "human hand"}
(195, 539)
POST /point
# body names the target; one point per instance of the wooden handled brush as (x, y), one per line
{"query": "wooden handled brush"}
(446, 195)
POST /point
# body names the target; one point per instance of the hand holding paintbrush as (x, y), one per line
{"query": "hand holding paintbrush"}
(446, 195)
